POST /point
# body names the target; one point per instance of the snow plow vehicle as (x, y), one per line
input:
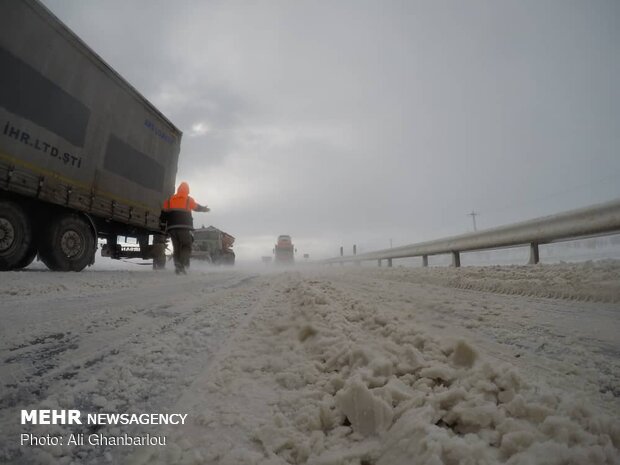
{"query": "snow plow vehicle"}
(284, 251)
(213, 245)
(83, 155)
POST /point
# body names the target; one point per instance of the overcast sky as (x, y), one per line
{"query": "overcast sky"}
(342, 122)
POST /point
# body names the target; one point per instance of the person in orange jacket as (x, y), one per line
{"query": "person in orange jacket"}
(177, 212)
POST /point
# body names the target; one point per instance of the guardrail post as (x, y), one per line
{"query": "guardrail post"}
(354, 249)
(379, 263)
(389, 263)
(341, 251)
(456, 259)
(534, 254)
(425, 261)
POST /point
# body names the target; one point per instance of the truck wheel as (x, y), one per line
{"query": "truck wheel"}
(159, 257)
(28, 258)
(16, 238)
(159, 251)
(68, 244)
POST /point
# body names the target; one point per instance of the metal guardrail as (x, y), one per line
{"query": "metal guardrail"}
(595, 220)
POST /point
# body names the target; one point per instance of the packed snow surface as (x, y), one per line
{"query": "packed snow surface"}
(339, 365)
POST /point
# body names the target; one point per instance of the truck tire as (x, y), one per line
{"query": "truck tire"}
(159, 256)
(229, 258)
(28, 258)
(68, 244)
(159, 251)
(16, 237)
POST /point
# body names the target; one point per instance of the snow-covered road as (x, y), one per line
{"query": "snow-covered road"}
(110, 340)
(333, 365)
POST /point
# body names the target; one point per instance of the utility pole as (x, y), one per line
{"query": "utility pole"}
(473, 215)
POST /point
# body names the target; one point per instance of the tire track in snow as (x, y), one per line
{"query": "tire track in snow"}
(133, 348)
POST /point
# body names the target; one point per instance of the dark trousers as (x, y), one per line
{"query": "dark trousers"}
(182, 245)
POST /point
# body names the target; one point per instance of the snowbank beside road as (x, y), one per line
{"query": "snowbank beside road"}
(589, 281)
(322, 377)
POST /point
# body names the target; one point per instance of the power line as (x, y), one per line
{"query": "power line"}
(473, 215)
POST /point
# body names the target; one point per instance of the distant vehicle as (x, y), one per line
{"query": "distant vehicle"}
(284, 250)
(82, 154)
(213, 245)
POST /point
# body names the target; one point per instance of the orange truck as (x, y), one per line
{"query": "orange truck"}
(284, 250)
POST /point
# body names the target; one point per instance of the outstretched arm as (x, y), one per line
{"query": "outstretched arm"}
(201, 208)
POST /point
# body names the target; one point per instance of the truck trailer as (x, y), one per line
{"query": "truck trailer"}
(83, 155)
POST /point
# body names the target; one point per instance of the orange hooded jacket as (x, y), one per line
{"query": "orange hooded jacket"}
(181, 200)
(178, 209)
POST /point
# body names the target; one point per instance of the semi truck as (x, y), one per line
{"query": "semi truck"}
(284, 250)
(213, 245)
(83, 155)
